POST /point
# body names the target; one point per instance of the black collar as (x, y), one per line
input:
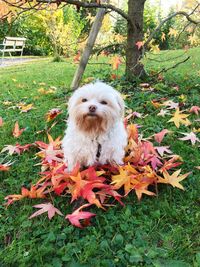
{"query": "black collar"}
(98, 152)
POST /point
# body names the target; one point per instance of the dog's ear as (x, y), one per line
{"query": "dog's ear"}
(120, 102)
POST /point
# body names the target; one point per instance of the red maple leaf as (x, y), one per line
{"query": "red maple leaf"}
(78, 215)
(195, 109)
(17, 149)
(139, 44)
(159, 136)
(1, 121)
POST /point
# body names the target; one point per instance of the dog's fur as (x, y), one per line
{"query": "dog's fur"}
(95, 132)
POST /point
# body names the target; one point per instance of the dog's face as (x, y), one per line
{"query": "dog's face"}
(95, 107)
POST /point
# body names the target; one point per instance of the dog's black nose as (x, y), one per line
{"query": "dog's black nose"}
(92, 108)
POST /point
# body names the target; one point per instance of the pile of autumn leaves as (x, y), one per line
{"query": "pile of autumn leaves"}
(145, 165)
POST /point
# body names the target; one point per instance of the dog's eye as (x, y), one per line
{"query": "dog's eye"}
(84, 100)
(103, 102)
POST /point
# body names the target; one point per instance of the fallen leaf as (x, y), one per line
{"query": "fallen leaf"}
(191, 137)
(52, 114)
(171, 163)
(180, 118)
(195, 109)
(163, 149)
(170, 104)
(1, 121)
(145, 85)
(159, 136)
(78, 215)
(34, 192)
(25, 108)
(173, 179)
(125, 179)
(47, 207)
(42, 84)
(5, 166)
(163, 112)
(84, 184)
(17, 149)
(16, 131)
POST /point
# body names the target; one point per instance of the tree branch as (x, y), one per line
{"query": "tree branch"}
(169, 59)
(89, 5)
(179, 13)
(107, 47)
(172, 67)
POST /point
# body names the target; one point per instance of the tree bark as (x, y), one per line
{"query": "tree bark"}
(88, 49)
(134, 34)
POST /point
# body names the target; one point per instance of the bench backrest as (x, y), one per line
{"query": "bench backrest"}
(14, 41)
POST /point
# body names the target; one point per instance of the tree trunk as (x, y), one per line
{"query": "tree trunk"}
(134, 34)
(88, 48)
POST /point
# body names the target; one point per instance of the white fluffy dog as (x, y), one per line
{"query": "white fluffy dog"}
(95, 132)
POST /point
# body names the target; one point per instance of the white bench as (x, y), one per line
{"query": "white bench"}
(12, 44)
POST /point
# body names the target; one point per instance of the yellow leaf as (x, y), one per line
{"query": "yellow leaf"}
(173, 179)
(193, 39)
(90, 18)
(180, 118)
(122, 179)
(163, 37)
(25, 108)
(155, 48)
(173, 32)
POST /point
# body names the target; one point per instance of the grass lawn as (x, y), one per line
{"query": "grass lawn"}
(158, 231)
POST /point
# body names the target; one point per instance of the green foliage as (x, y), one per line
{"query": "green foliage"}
(160, 232)
(63, 27)
(47, 32)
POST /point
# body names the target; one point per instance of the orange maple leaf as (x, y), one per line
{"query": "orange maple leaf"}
(17, 131)
(34, 192)
(77, 57)
(5, 166)
(116, 61)
(125, 178)
(83, 185)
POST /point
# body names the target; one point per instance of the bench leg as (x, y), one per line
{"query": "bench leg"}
(10, 55)
(2, 57)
